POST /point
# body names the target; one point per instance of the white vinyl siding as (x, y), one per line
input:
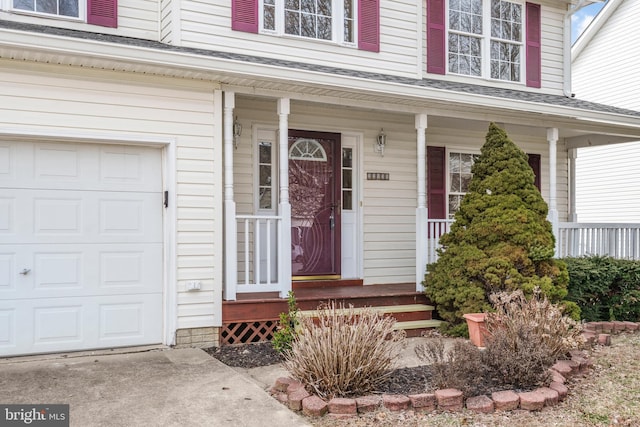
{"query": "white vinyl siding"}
(389, 207)
(606, 70)
(207, 25)
(552, 46)
(53, 100)
(606, 177)
(136, 18)
(607, 183)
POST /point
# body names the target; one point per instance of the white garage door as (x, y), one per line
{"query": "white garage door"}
(80, 247)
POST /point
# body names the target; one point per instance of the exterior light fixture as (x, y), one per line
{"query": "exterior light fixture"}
(381, 142)
(237, 131)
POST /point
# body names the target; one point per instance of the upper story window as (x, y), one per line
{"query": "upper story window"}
(485, 39)
(96, 12)
(492, 39)
(349, 22)
(315, 19)
(69, 8)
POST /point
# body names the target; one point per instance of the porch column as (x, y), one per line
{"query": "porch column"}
(284, 234)
(230, 230)
(421, 210)
(573, 214)
(552, 138)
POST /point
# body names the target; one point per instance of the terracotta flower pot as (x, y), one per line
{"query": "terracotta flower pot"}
(477, 329)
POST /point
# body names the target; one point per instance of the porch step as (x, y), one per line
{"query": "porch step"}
(419, 324)
(389, 309)
(411, 318)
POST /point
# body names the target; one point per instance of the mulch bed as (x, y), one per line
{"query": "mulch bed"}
(401, 381)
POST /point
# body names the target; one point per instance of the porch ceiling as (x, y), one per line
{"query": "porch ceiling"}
(275, 79)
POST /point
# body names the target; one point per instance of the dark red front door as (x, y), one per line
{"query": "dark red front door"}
(314, 189)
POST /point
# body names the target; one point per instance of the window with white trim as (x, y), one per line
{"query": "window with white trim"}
(266, 179)
(460, 175)
(62, 8)
(485, 39)
(332, 20)
(347, 178)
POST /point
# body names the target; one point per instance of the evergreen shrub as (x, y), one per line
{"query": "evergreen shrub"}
(605, 288)
(501, 239)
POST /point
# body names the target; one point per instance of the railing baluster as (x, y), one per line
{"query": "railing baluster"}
(268, 251)
(256, 255)
(246, 251)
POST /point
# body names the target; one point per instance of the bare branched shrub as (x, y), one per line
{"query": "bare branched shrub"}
(344, 353)
(526, 337)
(460, 366)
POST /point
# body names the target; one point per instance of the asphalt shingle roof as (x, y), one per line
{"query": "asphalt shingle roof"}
(477, 89)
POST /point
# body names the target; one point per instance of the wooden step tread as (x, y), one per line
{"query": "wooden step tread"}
(418, 324)
(387, 309)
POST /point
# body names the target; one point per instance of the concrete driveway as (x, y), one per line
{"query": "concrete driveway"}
(159, 387)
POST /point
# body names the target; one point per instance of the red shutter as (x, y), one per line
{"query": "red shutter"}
(369, 25)
(436, 33)
(244, 15)
(534, 61)
(534, 162)
(103, 13)
(436, 183)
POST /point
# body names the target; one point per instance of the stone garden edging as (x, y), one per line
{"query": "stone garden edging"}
(293, 394)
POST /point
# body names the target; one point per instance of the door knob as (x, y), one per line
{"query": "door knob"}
(25, 271)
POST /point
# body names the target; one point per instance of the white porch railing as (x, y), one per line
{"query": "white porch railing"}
(258, 253)
(620, 241)
(435, 229)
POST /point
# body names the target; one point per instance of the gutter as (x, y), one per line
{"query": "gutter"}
(566, 57)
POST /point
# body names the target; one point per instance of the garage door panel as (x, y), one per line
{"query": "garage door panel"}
(80, 324)
(58, 324)
(60, 216)
(7, 162)
(7, 215)
(48, 216)
(80, 167)
(60, 271)
(7, 328)
(7, 272)
(58, 163)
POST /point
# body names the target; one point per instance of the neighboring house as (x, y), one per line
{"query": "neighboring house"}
(606, 60)
(159, 157)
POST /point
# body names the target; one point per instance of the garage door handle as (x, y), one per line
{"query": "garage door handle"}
(25, 271)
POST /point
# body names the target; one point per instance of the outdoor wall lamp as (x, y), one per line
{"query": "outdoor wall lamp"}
(381, 142)
(237, 131)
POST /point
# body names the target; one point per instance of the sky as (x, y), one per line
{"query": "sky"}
(581, 19)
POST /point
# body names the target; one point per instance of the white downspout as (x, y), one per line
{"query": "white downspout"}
(566, 87)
